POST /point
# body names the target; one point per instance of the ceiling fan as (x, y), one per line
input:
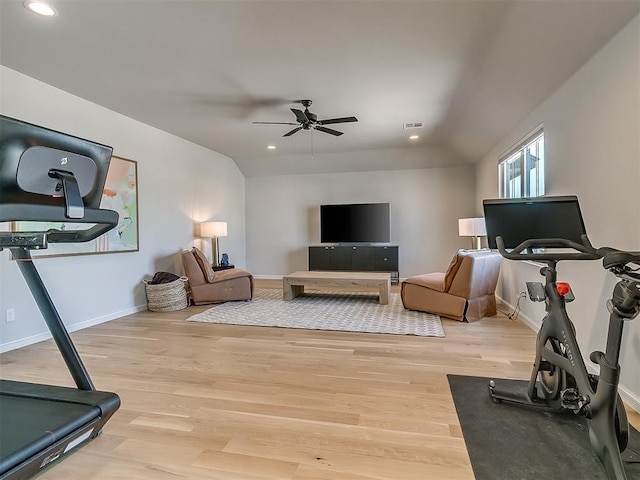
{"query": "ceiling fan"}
(307, 120)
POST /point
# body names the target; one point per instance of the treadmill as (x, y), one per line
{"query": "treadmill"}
(52, 177)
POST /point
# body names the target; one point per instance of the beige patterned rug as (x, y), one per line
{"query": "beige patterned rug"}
(349, 312)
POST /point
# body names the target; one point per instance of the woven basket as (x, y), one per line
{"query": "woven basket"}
(167, 297)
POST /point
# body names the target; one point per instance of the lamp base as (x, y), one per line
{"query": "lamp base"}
(476, 243)
(215, 252)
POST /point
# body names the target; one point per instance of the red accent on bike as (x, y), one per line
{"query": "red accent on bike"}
(563, 288)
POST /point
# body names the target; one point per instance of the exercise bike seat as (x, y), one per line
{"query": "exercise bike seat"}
(617, 258)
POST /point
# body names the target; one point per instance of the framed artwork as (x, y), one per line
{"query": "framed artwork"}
(120, 194)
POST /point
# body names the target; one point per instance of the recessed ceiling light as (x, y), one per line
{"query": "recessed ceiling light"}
(414, 137)
(41, 8)
(271, 147)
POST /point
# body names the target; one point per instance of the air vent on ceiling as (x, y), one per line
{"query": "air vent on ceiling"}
(408, 126)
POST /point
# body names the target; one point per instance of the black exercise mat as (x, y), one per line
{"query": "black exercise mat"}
(506, 442)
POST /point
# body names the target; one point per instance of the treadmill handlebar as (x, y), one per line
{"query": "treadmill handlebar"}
(103, 219)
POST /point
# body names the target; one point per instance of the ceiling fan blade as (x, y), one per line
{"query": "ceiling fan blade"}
(337, 120)
(275, 123)
(288, 134)
(329, 130)
(300, 115)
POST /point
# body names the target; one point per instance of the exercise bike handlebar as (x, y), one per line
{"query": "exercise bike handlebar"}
(582, 251)
(612, 257)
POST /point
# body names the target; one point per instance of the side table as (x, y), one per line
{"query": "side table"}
(217, 268)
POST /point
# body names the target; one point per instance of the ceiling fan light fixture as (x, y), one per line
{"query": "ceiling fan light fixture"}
(41, 8)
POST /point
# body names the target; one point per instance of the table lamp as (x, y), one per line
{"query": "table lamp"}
(474, 228)
(214, 230)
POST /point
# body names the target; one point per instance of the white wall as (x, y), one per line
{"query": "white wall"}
(283, 215)
(179, 183)
(592, 146)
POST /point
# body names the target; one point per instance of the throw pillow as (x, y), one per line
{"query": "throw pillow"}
(205, 266)
(454, 266)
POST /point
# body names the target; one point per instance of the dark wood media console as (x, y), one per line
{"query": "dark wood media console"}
(355, 258)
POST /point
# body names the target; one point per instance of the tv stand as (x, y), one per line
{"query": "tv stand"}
(355, 258)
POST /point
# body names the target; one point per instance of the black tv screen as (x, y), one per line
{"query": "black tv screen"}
(518, 220)
(355, 223)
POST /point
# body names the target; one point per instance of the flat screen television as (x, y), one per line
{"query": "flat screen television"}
(355, 223)
(522, 219)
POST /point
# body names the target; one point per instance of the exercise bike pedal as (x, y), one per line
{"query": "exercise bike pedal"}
(570, 399)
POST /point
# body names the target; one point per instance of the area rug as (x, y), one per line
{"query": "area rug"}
(507, 442)
(350, 312)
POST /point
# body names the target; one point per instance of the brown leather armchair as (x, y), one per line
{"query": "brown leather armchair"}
(207, 286)
(466, 291)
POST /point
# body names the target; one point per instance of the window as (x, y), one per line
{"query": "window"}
(521, 169)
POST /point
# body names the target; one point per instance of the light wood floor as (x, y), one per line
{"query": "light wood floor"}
(203, 401)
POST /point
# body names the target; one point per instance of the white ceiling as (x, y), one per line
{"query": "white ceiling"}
(205, 70)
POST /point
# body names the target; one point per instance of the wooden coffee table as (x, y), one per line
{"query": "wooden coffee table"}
(294, 283)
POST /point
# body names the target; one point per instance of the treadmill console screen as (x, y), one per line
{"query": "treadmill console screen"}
(34, 160)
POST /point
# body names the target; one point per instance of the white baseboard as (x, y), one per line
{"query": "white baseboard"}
(528, 321)
(629, 398)
(40, 337)
(23, 342)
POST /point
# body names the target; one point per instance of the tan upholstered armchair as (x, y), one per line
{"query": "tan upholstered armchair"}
(207, 286)
(466, 291)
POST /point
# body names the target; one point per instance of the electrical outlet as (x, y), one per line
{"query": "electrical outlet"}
(10, 315)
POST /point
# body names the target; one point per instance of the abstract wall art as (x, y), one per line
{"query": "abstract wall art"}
(120, 194)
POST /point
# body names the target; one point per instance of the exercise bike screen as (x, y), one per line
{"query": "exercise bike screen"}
(521, 219)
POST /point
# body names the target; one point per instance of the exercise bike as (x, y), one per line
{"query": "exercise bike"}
(559, 379)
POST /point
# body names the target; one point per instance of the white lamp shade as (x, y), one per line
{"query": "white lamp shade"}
(213, 229)
(472, 227)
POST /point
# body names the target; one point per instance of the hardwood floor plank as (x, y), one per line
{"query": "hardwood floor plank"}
(247, 464)
(165, 422)
(362, 461)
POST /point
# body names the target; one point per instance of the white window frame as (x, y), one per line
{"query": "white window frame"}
(520, 183)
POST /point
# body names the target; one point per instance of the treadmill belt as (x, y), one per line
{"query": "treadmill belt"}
(29, 425)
